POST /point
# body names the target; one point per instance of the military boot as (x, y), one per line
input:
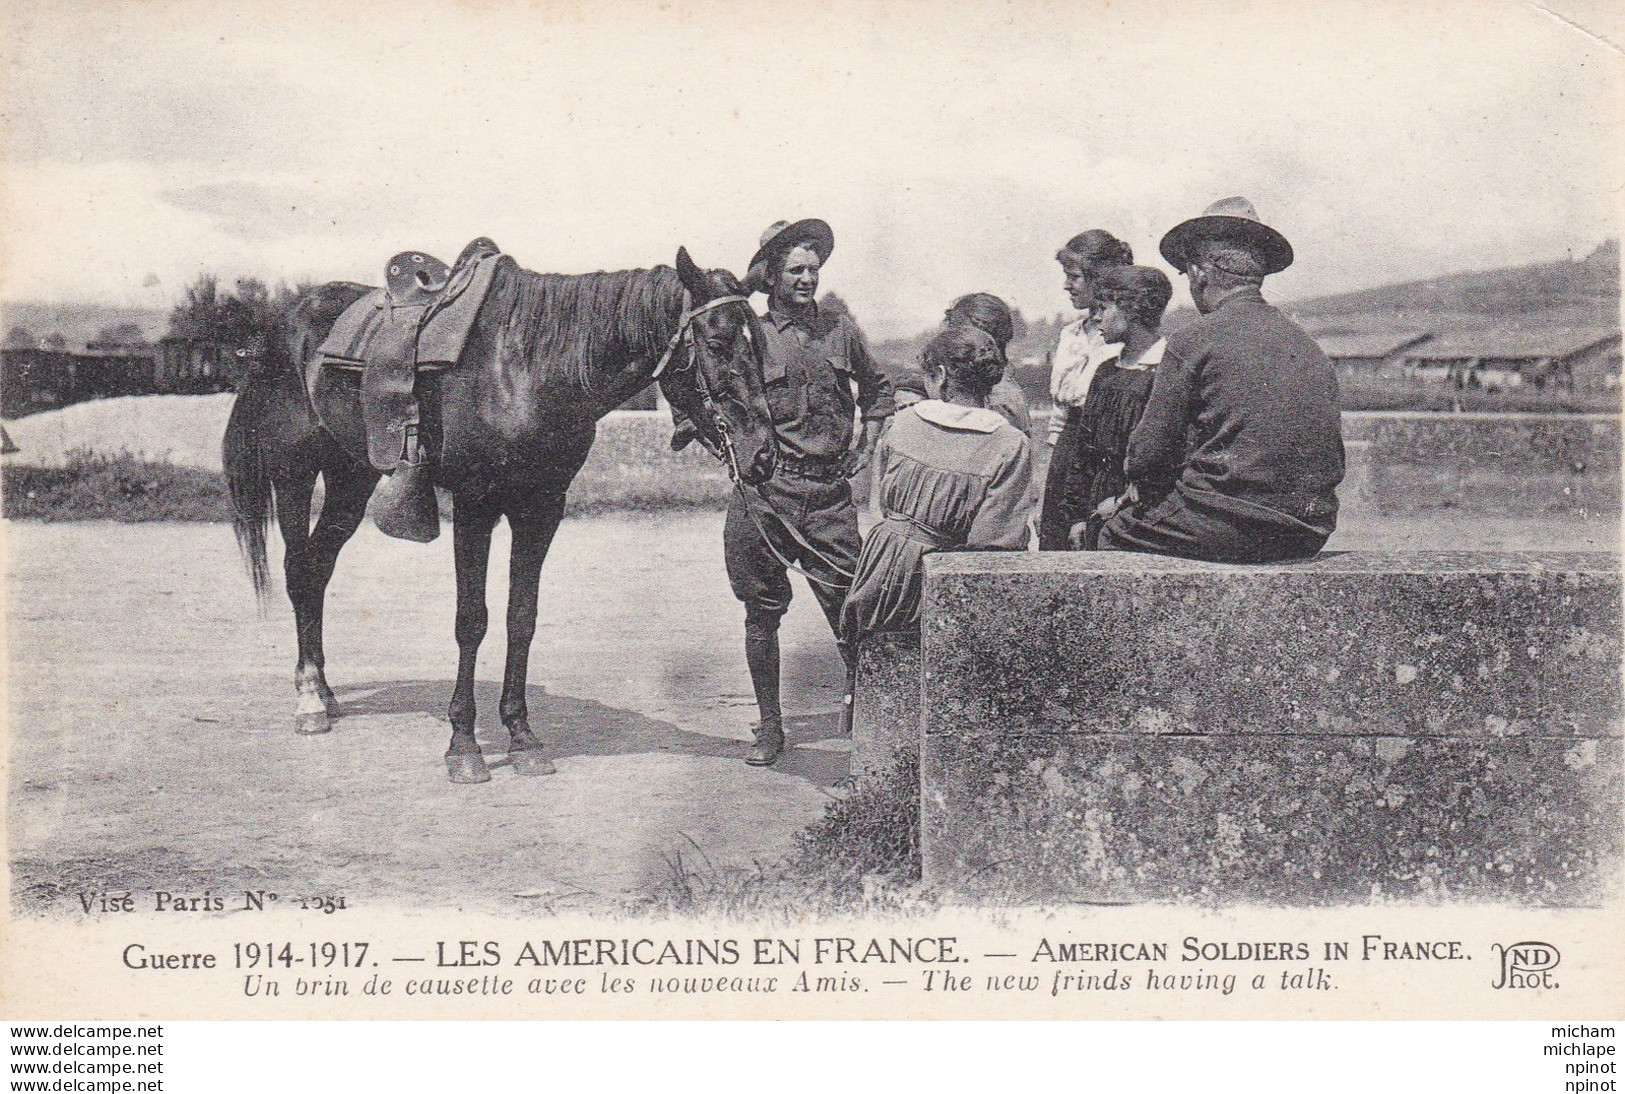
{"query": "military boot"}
(762, 657)
(769, 743)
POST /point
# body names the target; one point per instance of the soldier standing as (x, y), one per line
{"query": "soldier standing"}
(803, 516)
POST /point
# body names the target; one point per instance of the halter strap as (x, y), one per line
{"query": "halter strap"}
(685, 326)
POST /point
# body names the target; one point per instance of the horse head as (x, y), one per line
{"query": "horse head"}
(259, 343)
(716, 377)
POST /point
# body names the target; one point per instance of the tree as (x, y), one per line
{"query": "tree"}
(54, 341)
(831, 302)
(231, 317)
(198, 313)
(1018, 325)
(20, 337)
(121, 334)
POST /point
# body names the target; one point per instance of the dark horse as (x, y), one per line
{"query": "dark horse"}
(550, 354)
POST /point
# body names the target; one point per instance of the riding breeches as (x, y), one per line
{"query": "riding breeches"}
(758, 540)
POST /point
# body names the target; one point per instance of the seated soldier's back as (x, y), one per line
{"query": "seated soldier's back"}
(1268, 427)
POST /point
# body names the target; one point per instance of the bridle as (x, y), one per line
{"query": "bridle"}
(685, 337)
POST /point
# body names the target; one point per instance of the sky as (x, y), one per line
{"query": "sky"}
(953, 146)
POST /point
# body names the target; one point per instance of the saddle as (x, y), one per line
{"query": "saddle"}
(418, 322)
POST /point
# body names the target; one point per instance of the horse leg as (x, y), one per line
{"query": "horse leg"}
(308, 569)
(533, 529)
(293, 496)
(472, 521)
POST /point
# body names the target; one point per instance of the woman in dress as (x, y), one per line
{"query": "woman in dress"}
(1129, 302)
(988, 313)
(1078, 354)
(956, 477)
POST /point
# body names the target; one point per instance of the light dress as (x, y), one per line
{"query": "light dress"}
(952, 478)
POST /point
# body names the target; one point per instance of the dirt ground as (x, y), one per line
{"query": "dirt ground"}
(151, 712)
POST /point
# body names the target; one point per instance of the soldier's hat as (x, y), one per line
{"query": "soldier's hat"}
(782, 235)
(1228, 218)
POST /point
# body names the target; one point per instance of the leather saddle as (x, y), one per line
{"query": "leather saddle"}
(415, 278)
(418, 322)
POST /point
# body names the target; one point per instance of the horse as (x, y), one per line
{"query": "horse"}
(549, 355)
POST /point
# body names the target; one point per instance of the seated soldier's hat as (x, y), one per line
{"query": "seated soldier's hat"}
(782, 235)
(1233, 219)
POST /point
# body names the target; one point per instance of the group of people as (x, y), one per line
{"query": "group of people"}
(1221, 441)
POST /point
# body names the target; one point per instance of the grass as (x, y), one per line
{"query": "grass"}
(117, 487)
(1374, 393)
(863, 855)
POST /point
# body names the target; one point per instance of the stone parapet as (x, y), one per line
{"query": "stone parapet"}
(1545, 442)
(1108, 727)
(886, 718)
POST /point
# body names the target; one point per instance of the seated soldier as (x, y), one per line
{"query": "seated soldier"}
(1240, 450)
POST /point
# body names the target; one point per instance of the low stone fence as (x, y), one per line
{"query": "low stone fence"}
(1554, 442)
(1362, 727)
(1491, 464)
(1495, 464)
(632, 466)
(1398, 463)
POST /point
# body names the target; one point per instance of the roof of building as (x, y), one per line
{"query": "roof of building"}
(1344, 344)
(1516, 345)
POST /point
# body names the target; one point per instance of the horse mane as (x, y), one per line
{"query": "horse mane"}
(578, 326)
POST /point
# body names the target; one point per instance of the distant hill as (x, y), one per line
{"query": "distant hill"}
(79, 323)
(1574, 294)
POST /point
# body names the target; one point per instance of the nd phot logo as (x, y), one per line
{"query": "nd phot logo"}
(1527, 965)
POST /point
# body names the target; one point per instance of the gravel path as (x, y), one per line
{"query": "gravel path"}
(151, 712)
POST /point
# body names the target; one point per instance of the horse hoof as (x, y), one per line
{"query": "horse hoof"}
(311, 723)
(532, 761)
(467, 767)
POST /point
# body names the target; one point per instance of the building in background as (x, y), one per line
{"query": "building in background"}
(1357, 354)
(1560, 359)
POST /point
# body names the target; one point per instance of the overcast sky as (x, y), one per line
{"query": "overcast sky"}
(953, 146)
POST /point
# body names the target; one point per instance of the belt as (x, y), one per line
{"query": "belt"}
(923, 533)
(817, 468)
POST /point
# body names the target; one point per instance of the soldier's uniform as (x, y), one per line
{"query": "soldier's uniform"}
(809, 368)
(812, 360)
(1240, 450)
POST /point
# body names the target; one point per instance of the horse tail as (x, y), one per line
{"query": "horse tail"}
(248, 477)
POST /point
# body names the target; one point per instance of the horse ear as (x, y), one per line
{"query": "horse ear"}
(692, 276)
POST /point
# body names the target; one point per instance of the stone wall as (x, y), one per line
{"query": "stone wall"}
(1491, 464)
(1119, 728)
(1398, 463)
(1506, 464)
(632, 466)
(1553, 442)
(886, 717)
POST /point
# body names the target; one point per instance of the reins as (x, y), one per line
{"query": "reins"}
(801, 541)
(684, 337)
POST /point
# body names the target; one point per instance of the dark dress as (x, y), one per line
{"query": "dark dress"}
(1116, 401)
(1076, 356)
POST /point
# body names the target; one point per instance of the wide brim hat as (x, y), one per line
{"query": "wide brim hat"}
(1228, 218)
(781, 236)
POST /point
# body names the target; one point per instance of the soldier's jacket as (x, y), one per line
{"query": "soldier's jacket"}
(808, 369)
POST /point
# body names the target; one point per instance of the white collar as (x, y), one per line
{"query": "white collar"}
(976, 419)
(1151, 358)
